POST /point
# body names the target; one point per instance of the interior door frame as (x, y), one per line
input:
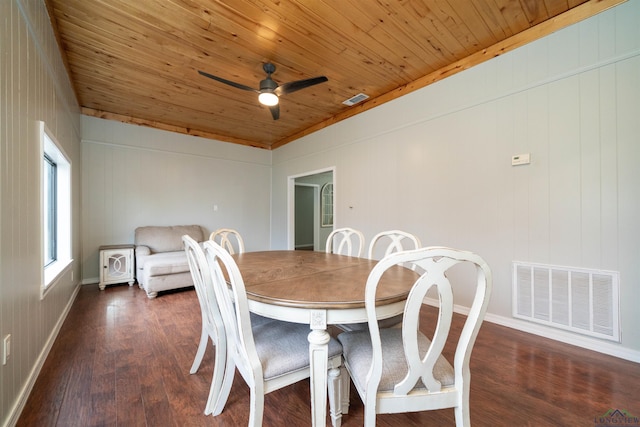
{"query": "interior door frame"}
(291, 193)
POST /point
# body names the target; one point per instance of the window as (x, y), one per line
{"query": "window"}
(56, 209)
(326, 205)
(49, 184)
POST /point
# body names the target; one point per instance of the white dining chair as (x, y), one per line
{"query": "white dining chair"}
(212, 326)
(212, 322)
(229, 239)
(345, 241)
(400, 369)
(388, 242)
(381, 245)
(269, 356)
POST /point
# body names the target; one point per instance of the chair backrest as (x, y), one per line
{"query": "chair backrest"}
(395, 240)
(340, 242)
(232, 300)
(202, 280)
(229, 239)
(433, 262)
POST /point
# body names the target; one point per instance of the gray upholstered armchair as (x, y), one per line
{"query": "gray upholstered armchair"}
(161, 262)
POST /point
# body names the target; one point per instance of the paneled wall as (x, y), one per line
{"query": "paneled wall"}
(135, 176)
(437, 163)
(33, 87)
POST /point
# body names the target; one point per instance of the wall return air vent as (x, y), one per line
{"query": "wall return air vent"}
(355, 99)
(578, 300)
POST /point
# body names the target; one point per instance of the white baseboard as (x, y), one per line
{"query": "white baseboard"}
(18, 406)
(91, 281)
(589, 343)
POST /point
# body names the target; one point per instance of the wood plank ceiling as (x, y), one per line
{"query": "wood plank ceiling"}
(138, 61)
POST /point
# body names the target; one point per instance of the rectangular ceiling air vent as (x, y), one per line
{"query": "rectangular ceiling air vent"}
(355, 99)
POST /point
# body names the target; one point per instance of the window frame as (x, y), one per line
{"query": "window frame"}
(60, 261)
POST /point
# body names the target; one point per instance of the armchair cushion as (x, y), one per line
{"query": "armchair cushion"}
(166, 239)
(160, 264)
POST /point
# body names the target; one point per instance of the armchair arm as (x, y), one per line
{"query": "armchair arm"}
(142, 250)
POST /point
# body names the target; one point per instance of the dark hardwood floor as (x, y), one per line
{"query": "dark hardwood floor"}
(122, 359)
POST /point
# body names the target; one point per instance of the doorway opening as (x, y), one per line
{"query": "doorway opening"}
(311, 216)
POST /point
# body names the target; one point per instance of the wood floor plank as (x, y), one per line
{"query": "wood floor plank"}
(123, 360)
(128, 396)
(103, 387)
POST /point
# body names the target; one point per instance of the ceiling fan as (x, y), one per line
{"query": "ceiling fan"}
(270, 91)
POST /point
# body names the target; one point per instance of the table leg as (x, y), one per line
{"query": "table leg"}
(318, 359)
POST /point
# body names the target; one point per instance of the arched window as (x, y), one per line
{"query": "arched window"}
(326, 205)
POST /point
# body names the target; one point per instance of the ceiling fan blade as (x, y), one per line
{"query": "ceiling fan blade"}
(299, 84)
(228, 82)
(275, 111)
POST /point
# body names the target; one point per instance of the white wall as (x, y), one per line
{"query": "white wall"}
(437, 163)
(134, 176)
(33, 87)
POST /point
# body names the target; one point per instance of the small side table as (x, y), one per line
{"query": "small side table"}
(116, 265)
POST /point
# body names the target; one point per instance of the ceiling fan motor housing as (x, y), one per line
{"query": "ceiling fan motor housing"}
(268, 85)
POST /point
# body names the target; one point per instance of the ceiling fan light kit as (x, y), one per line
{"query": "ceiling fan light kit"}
(268, 98)
(270, 91)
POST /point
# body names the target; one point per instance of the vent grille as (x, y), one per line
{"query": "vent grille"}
(579, 300)
(355, 99)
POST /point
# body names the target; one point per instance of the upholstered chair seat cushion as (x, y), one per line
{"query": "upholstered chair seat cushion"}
(356, 347)
(279, 356)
